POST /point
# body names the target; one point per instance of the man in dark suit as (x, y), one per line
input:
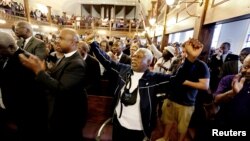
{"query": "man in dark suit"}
(23, 101)
(29, 43)
(223, 55)
(233, 67)
(93, 72)
(66, 84)
(116, 55)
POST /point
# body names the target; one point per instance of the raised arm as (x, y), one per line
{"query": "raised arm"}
(193, 49)
(153, 48)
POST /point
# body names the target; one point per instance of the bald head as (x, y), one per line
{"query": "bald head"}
(245, 70)
(7, 44)
(67, 40)
(247, 60)
(71, 33)
(83, 48)
(243, 54)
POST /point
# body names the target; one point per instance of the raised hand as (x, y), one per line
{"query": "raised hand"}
(193, 48)
(90, 38)
(238, 83)
(148, 38)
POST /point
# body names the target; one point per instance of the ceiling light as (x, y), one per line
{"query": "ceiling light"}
(152, 21)
(170, 2)
(34, 26)
(2, 21)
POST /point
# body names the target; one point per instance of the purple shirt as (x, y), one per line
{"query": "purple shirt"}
(225, 84)
(236, 112)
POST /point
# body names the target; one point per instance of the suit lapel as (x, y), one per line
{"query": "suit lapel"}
(29, 43)
(121, 59)
(60, 65)
(64, 62)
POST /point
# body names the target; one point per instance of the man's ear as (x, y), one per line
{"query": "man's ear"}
(149, 62)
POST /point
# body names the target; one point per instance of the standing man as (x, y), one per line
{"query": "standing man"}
(223, 55)
(135, 92)
(92, 69)
(66, 85)
(233, 67)
(23, 99)
(29, 43)
(117, 55)
(181, 100)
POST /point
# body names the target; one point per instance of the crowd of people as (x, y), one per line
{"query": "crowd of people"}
(12, 7)
(44, 83)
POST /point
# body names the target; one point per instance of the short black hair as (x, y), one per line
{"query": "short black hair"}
(227, 44)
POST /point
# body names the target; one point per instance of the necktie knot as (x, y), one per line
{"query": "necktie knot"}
(59, 61)
(23, 44)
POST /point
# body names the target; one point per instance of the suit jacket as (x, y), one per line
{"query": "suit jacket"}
(229, 68)
(215, 62)
(125, 59)
(69, 100)
(112, 77)
(93, 74)
(24, 99)
(215, 69)
(34, 46)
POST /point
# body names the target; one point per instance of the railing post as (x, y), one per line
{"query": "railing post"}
(27, 9)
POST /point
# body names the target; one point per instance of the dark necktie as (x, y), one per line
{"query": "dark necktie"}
(3, 63)
(23, 43)
(59, 61)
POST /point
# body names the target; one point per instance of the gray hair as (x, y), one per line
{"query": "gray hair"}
(83, 45)
(26, 25)
(7, 40)
(147, 53)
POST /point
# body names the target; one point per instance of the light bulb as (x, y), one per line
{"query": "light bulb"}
(177, 6)
(152, 21)
(170, 2)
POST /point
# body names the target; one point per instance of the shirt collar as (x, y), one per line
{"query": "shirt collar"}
(70, 54)
(85, 57)
(27, 40)
(119, 57)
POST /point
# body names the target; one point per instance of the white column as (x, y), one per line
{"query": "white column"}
(112, 13)
(102, 12)
(107, 13)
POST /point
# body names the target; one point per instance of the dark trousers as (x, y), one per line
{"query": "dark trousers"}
(123, 134)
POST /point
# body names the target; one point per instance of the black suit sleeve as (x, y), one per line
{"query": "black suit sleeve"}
(72, 76)
(104, 59)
